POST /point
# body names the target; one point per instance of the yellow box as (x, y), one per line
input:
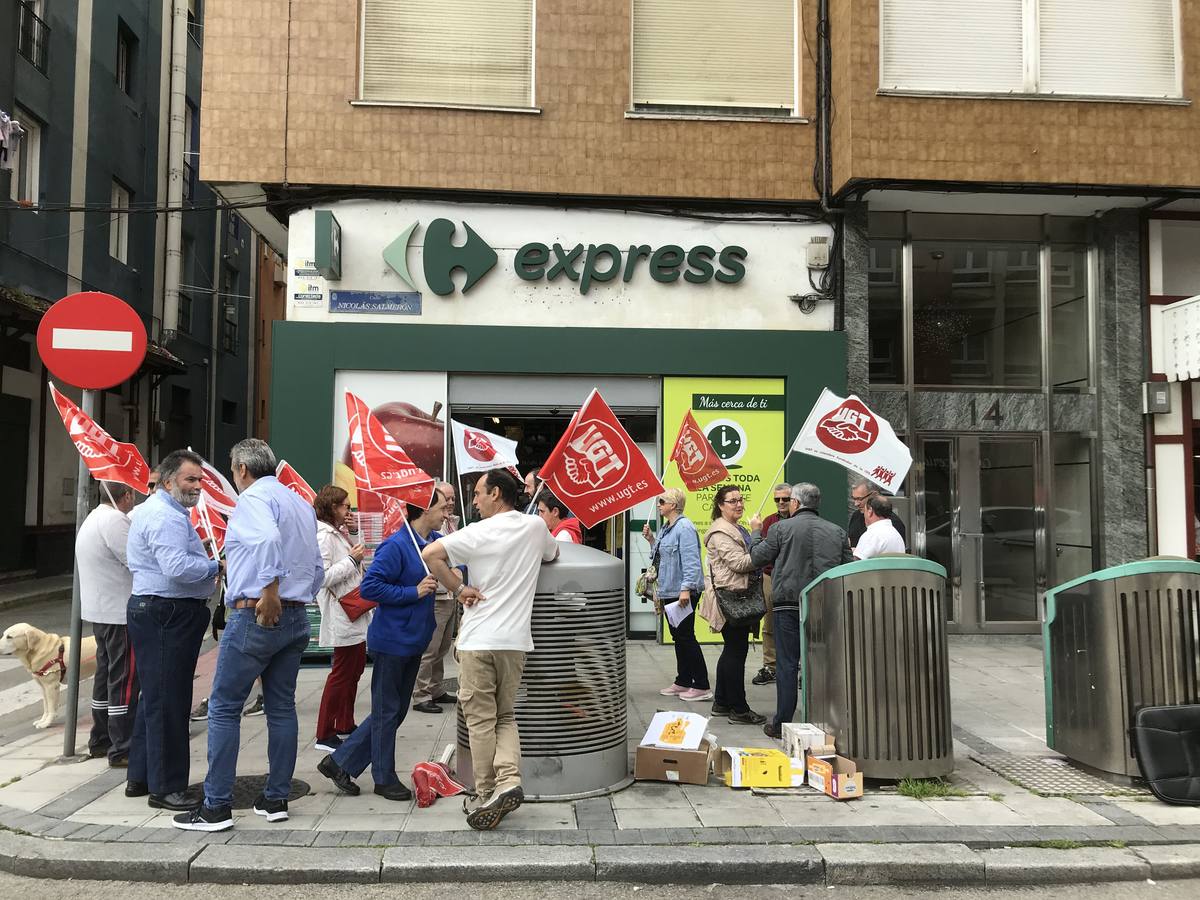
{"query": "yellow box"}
(758, 767)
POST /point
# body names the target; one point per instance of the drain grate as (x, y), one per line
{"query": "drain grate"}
(1051, 775)
(246, 789)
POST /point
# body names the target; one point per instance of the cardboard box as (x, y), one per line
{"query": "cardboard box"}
(800, 738)
(836, 776)
(744, 767)
(678, 766)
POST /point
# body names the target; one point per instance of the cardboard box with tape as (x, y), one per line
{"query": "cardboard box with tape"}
(675, 765)
(800, 738)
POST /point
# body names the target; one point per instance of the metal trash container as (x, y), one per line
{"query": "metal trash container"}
(875, 665)
(571, 706)
(1117, 640)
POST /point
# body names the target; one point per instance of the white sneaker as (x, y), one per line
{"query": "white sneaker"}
(695, 694)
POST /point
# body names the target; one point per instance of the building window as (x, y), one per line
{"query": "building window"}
(715, 57)
(194, 15)
(229, 412)
(885, 313)
(1051, 47)
(126, 57)
(235, 227)
(185, 313)
(27, 161)
(191, 132)
(118, 223)
(229, 332)
(466, 53)
(33, 36)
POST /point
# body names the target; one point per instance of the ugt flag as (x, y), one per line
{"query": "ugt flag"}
(210, 525)
(698, 464)
(391, 509)
(215, 489)
(596, 469)
(476, 450)
(379, 463)
(292, 480)
(107, 458)
(845, 431)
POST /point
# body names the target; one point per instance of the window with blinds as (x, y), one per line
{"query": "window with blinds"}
(465, 53)
(1100, 48)
(715, 56)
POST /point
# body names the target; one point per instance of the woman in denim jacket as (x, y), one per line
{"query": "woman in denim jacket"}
(677, 555)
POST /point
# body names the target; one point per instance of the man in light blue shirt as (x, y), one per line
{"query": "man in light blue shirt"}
(274, 572)
(167, 617)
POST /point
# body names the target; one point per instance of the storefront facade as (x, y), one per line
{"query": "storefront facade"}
(662, 313)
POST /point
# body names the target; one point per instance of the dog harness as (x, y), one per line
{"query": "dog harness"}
(55, 661)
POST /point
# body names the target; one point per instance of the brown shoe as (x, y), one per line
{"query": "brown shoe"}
(499, 805)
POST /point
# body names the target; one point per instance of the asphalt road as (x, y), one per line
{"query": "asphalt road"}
(11, 886)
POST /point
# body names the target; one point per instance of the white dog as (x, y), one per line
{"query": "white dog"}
(45, 655)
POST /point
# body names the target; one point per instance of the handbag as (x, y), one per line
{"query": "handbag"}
(741, 607)
(647, 582)
(354, 606)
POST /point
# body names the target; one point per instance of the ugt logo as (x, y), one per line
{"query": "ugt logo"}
(850, 428)
(592, 460)
(442, 256)
(479, 446)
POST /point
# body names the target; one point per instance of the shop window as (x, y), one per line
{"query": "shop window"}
(715, 57)
(467, 53)
(1013, 47)
(1180, 243)
(973, 324)
(1074, 551)
(118, 222)
(885, 312)
(24, 183)
(1070, 364)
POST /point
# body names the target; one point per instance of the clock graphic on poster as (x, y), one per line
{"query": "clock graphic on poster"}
(728, 440)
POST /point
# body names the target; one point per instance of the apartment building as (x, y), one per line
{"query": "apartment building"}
(724, 207)
(80, 209)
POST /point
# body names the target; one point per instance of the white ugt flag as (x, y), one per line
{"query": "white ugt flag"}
(845, 431)
(476, 450)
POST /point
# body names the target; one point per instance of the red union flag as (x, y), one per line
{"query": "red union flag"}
(476, 450)
(391, 508)
(210, 525)
(698, 464)
(596, 469)
(215, 489)
(844, 430)
(379, 463)
(107, 458)
(290, 478)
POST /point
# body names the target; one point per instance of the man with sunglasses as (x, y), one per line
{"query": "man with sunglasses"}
(783, 510)
(857, 526)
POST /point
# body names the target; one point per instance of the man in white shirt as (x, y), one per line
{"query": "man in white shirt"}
(503, 553)
(881, 535)
(105, 584)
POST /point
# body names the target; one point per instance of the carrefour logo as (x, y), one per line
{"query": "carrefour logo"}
(586, 265)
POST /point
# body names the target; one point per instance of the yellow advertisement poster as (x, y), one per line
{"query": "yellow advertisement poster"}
(743, 419)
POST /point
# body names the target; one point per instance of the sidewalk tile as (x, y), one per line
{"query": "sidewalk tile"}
(1157, 813)
(1053, 811)
(129, 820)
(806, 814)
(721, 816)
(383, 838)
(489, 864)
(978, 812)
(361, 823)
(671, 817)
(649, 795)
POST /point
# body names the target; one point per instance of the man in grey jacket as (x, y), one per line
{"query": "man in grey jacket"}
(800, 548)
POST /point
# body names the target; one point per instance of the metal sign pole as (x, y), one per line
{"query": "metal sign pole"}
(82, 478)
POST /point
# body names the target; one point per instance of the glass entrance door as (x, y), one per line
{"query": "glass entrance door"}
(982, 522)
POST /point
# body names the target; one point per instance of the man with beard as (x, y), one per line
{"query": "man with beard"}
(167, 617)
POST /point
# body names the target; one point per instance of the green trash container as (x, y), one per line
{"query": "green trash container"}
(1115, 641)
(875, 665)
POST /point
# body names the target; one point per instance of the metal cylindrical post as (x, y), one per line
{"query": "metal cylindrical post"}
(81, 510)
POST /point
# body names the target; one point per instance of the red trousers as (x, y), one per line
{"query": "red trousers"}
(336, 715)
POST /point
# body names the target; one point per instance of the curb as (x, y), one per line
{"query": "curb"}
(925, 864)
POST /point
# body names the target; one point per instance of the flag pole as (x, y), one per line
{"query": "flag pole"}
(208, 527)
(532, 507)
(104, 484)
(81, 512)
(413, 537)
(773, 482)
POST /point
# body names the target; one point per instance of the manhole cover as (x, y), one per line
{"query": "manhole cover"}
(246, 789)
(1053, 776)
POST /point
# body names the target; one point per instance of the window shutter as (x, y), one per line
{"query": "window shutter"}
(951, 45)
(466, 52)
(1108, 47)
(716, 53)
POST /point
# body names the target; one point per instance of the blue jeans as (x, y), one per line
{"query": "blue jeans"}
(165, 635)
(374, 740)
(787, 663)
(249, 650)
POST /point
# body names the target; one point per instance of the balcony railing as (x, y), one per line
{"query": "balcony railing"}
(33, 36)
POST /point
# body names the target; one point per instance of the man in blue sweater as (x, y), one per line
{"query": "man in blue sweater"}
(400, 631)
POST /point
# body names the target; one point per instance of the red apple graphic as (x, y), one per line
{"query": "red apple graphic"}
(421, 434)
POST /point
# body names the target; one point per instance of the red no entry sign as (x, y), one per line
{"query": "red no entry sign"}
(91, 340)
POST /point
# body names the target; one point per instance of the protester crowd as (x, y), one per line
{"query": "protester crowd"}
(146, 580)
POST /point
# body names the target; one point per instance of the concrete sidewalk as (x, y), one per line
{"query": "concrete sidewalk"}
(1017, 809)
